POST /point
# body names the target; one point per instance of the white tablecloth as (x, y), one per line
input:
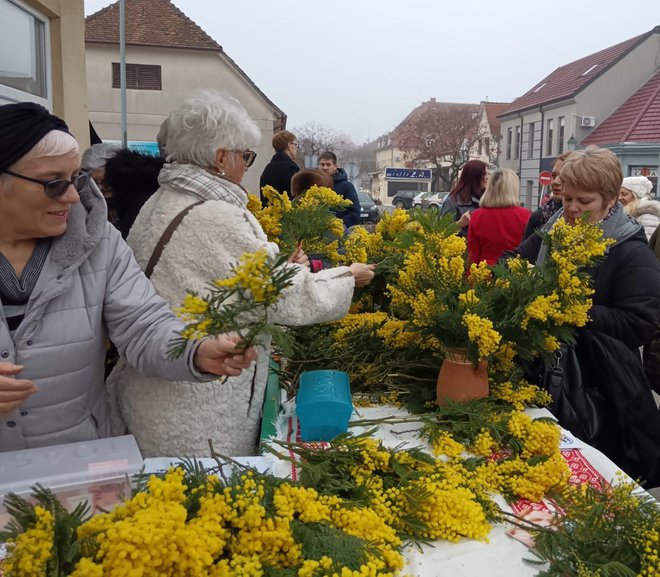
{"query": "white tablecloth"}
(502, 556)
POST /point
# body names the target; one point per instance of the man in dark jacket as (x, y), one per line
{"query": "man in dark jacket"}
(282, 166)
(342, 186)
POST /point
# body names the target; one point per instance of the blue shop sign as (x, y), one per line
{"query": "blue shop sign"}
(141, 146)
(408, 173)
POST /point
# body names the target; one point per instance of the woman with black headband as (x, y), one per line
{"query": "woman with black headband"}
(67, 279)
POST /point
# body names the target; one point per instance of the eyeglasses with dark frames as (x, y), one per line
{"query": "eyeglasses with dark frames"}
(248, 157)
(56, 188)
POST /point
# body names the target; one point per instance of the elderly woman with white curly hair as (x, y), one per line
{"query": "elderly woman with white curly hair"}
(208, 143)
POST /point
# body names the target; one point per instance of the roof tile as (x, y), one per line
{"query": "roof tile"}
(444, 107)
(636, 120)
(492, 110)
(148, 23)
(568, 80)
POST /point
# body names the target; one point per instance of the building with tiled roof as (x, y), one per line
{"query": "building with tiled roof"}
(492, 111)
(490, 128)
(566, 107)
(390, 153)
(481, 142)
(633, 132)
(168, 57)
(636, 120)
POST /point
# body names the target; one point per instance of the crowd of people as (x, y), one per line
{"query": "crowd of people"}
(89, 252)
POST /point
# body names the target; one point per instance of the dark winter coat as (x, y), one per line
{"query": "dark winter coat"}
(624, 316)
(344, 187)
(540, 216)
(652, 349)
(278, 174)
(626, 283)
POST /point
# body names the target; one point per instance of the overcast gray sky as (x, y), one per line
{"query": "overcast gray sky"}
(359, 66)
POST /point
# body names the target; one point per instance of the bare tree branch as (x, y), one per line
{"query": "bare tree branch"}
(442, 136)
(315, 138)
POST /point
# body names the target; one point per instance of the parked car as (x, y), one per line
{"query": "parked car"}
(434, 200)
(404, 198)
(368, 210)
(417, 201)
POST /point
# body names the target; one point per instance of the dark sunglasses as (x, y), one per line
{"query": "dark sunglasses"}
(248, 157)
(56, 188)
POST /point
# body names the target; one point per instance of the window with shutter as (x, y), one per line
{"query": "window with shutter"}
(139, 76)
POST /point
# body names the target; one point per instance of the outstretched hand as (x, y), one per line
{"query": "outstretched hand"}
(13, 392)
(219, 356)
(299, 257)
(363, 273)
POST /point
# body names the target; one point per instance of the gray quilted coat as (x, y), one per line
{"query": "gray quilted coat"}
(90, 286)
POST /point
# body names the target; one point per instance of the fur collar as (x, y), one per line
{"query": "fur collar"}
(647, 206)
(88, 220)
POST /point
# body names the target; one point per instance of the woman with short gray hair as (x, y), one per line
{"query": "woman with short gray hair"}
(209, 145)
(67, 280)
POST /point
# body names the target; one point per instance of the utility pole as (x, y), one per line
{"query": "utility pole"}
(122, 73)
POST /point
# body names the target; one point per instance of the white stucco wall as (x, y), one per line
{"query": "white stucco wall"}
(183, 72)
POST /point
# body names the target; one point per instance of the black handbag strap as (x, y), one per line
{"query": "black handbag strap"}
(166, 236)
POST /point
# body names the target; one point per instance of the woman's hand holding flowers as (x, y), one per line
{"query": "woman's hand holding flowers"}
(363, 273)
(220, 356)
(299, 257)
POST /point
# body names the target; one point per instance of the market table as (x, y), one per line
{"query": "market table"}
(502, 556)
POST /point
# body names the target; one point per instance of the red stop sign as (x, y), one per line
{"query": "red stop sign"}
(545, 178)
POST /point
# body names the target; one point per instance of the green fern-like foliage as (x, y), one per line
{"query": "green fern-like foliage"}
(66, 547)
(318, 540)
(601, 532)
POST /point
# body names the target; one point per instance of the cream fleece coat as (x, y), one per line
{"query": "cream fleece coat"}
(177, 418)
(647, 214)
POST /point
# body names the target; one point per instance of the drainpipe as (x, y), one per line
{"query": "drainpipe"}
(519, 146)
(541, 148)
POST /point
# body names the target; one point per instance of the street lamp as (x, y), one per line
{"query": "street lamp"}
(571, 143)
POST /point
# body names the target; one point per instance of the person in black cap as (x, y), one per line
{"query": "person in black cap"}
(66, 279)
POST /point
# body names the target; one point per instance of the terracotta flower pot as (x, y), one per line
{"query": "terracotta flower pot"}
(459, 380)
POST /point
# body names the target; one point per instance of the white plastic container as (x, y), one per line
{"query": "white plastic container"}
(99, 472)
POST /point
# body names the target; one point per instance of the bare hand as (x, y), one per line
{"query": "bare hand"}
(219, 356)
(363, 273)
(464, 220)
(299, 257)
(13, 392)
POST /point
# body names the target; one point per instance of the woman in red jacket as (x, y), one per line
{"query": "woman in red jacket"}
(499, 223)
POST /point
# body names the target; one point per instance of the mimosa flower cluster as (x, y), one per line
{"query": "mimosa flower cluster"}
(599, 531)
(239, 303)
(194, 524)
(308, 221)
(355, 505)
